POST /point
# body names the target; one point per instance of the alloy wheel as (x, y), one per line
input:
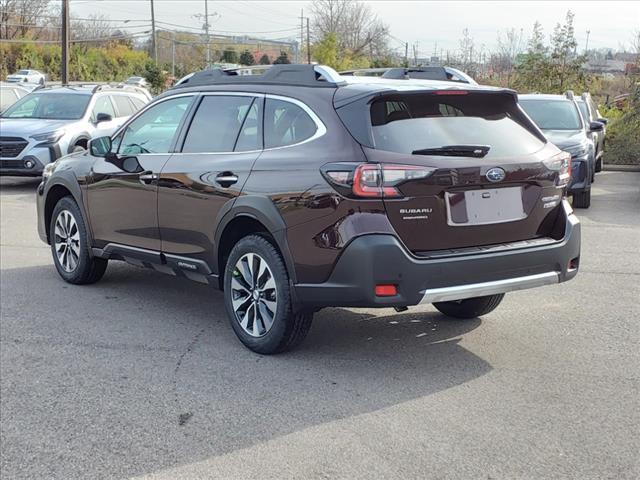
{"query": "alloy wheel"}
(67, 241)
(254, 294)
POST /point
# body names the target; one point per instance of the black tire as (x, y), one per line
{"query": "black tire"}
(288, 328)
(88, 269)
(470, 307)
(582, 199)
(599, 164)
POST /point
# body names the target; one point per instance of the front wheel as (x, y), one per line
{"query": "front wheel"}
(258, 300)
(470, 307)
(599, 165)
(70, 245)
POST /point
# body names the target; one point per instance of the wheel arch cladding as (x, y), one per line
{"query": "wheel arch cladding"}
(252, 214)
(61, 188)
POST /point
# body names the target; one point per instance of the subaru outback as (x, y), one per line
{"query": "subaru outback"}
(300, 189)
(51, 122)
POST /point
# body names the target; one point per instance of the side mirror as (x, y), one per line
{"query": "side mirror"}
(100, 147)
(103, 117)
(603, 120)
(596, 126)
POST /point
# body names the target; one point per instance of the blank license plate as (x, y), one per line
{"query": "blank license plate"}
(482, 207)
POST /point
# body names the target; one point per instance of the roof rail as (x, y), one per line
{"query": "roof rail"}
(422, 73)
(285, 74)
(569, 94)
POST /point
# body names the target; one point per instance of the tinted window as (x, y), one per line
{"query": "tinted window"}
(103, 105)
(553, 114)
(285, 123)
(123, 105)
(584, 111)
(250, 137)
(216, 124)
(404, 123)
(137, 103)
(154, 130)
(49, 105)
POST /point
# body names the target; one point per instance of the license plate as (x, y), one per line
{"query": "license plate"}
(483, 207)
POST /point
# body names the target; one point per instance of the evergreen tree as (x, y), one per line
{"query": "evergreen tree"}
(264, 60)
(229, 55)
(283, 58)
(246, 58)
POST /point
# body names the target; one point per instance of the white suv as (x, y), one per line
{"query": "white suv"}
(52, 122)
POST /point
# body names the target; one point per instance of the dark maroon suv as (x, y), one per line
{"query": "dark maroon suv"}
(299, 189)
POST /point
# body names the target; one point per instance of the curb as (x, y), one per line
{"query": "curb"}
(621, 168)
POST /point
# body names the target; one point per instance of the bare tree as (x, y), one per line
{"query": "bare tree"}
(510, 45)
(357, 27)
(22, 18)
(466, 51)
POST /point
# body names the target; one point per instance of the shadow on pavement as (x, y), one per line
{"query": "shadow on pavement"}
(142, 372)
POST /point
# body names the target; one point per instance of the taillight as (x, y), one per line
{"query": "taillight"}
(372, 180)
(560, 163)
(451, 92)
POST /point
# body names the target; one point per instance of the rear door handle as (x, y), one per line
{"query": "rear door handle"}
(226, 179)
(147, 177)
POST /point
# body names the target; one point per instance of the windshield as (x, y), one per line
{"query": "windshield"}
(49, 105)
(23, 72)
(422, 123)
(553, 114)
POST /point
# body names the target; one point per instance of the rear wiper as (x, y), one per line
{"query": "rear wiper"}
(477, 151)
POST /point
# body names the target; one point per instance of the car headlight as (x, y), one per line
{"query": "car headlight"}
(48, 170)
(49, 137)
(578, 150)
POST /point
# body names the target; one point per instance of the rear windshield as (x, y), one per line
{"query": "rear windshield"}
(553, 114)
(410, 122)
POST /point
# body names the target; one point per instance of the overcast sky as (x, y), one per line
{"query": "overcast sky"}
(611, 23)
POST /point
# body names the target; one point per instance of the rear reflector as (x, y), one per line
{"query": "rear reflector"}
(386, 290)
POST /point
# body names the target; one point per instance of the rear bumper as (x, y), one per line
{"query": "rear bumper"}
(381, 259)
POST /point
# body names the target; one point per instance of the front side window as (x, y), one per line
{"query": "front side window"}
(285, 123)
(553, 114)
(49, 105)
(155, 129)
(102, 105)
(217, 123)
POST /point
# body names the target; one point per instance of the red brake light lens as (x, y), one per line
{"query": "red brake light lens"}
(386, 290)
(451, 92)
(372, 180)
(560, 163)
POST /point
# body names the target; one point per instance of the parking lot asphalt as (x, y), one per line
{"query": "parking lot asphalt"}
(140, 375)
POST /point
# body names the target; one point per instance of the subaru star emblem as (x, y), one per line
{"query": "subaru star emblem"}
(495, 174)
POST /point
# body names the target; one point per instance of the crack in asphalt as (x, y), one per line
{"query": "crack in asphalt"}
(183, 418)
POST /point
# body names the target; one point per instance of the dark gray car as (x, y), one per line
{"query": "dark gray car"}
(559, 118)
(590, 114)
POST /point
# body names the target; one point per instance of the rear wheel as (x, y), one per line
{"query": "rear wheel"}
(582, 199)
(70, 245)
(258, 299)
(470, 307)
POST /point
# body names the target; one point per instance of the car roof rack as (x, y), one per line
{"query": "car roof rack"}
(569, 94)
(301, 75)
(418, 73)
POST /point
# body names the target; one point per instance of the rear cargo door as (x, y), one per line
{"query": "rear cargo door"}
(488, 185)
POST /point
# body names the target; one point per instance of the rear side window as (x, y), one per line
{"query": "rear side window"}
(285, 123)
(123, 105)
(137, 103)
(405, 123)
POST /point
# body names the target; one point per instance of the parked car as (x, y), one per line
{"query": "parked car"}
(298, 189)
(449, 74)
(590, 114)
(51, 122)
(558, 116)
(137, 81)
(10, 93)
(27, 76)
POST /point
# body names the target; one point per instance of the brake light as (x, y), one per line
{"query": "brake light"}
(372, 180)
(560, 163)
(385, 290)
(451, 92)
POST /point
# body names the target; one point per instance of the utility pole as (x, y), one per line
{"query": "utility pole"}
(173, 55)
(154, 44)
(406, 54)
(308, 43)
(64, 71)
(206, 29)
(586, 46)
(301, 34)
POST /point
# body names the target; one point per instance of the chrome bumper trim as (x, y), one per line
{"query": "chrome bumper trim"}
(460, 292)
